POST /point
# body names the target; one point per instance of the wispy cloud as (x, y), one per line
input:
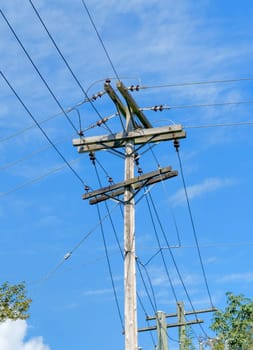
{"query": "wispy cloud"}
(237, 277)
(198, 190)
(96, 292)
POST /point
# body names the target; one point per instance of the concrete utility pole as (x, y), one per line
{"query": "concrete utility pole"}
(132, 135)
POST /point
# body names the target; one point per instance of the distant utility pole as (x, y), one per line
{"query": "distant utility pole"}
(181, 329)
(181, 324)
(135, 133)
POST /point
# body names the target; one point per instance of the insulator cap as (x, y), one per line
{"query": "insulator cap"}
(176, 144)
(110, 180)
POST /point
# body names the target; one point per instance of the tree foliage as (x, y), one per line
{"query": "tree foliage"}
(234, 325)
(14, 303)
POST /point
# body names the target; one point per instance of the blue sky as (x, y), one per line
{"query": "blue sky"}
(43, 217)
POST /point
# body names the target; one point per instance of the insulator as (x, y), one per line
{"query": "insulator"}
(110, 180)
(132, 88)
(140, 171)
(161, 108)
(92, 156)
(81, 133)
(99, 122)
(108, 81)
(176, 144)
(137, 87)
(86, 188)
(136, 158)
(67, 256)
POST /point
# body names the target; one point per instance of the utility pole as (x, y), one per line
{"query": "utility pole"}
(129, 244)
(182, 323)
(161, 331)
(133, 134)
(181, 329)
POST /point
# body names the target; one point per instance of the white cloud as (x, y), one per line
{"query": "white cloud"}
(12, 335)
(208, 185)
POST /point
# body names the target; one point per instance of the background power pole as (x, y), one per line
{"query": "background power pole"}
(161, 331)
(181, 329)
(201, 345)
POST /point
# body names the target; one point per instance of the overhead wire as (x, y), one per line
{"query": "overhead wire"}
(193, 228)
(37, 178)
(65, 61)
(160, 250)
(93, 159)
(100, 39)
(172, 257)
(42, 130)
(196, 83)
(37, 70)
(217, 125)
(171, 211)
(70, 253)
(152, 302)
(203, 105)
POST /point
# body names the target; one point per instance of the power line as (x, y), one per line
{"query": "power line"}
(107, 256)
(193, 228)
(41, 129)
(153, 303)
(217, 125)
(100, 39)
(203, 105)
(36, 179)
(37, 70)
(65, 61)
(32, 154)
(69, 254)
(171, 254)
(195, 83)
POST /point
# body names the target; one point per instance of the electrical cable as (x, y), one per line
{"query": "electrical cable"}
(193, 227)
(173, 258)
(32, 154)
(41, 129)
(100, 39)
(94, 161)
(36, 179)
(152, 302)
(171, 254)
(164, 107)
(217, 125)
(38, 71)
(66, 63)
(196, 83)
(110, 269)
(69, 254)
(165, 190)
(162, 255)
(106, 252)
